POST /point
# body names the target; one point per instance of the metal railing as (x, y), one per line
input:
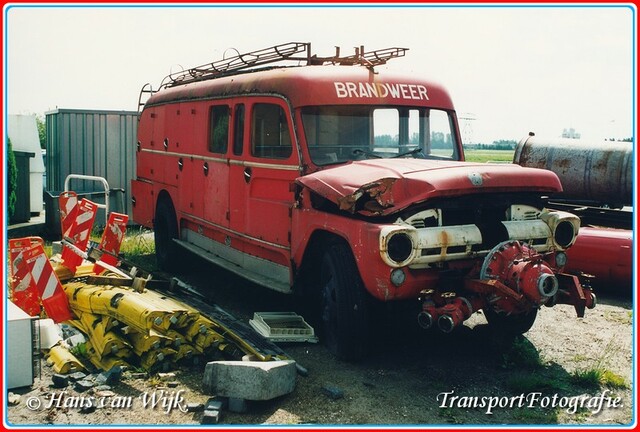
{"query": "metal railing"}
(101, 180)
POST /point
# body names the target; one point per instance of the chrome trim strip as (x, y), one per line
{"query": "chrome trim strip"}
(223, 160)
(185, 155)
(236, 233)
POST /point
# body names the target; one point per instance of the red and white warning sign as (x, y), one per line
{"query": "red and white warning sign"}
(111, 240)
(22, 288)
(78, 233)
(53, 298)
(68, 203)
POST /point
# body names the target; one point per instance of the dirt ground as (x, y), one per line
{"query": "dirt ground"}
(411, 378)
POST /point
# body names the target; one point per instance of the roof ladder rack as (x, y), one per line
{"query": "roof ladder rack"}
(239, 62)
(369, 59)
(279, 53)
(146, 89)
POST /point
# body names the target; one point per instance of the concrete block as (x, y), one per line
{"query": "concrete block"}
(211, 417)
(110, 377)
(77, 376)
(195, 407)
(215, 404)
(83, 385)
(250, 380)
(102, 388)
(60, 381)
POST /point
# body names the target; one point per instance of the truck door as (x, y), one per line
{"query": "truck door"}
(214, 188)
(260, 179)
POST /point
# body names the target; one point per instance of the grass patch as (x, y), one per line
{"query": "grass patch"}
(613, 380)
(580, 358)
(138, 241)
(587, 378)
(522, 354)
(138, 248)
(500, 156)
(597, 377)
(619, 317)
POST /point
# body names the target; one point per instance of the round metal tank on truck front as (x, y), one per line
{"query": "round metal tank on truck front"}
(597, 171)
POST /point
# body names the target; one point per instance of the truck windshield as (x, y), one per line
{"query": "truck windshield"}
(337, 134)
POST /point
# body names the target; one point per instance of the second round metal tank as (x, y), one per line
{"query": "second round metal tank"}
(595, 171)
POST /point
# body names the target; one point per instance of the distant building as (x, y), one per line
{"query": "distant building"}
(570, 133)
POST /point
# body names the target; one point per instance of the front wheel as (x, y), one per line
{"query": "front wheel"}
(515, 324)
(345, 309)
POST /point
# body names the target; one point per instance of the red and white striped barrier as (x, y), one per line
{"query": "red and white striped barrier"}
(111, 240)
(79, 233)
(22, 288)
(53, 298)
(68, 204)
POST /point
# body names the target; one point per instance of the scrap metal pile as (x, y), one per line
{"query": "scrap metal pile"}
(124, 323)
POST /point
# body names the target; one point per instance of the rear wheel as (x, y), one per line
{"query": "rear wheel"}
(515, 324)
(345, 308)
(165, 229)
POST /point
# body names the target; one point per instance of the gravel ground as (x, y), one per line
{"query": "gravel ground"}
(411, 378)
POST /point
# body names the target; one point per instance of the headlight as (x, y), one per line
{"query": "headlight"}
(399, 247)
(564, 234)
(564, 227)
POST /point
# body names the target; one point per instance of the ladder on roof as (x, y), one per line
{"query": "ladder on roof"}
(369, 59)
(279, 53)
(239, 62)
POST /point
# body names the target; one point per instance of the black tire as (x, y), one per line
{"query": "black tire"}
(165, 229)
(345, 304)
(516, 324)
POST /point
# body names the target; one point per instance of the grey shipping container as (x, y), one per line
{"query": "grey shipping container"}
(95, 143)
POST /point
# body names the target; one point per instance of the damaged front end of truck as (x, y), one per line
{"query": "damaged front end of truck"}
(458, 237)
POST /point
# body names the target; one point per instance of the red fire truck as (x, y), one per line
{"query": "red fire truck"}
(334, 179)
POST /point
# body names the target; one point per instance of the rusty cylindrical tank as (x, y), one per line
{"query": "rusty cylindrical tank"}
(601, 172)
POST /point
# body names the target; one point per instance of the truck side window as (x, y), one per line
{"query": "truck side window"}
(270, 136)
(238, 130)
(218, 128)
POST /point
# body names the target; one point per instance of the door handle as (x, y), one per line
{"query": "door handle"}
(247, 174)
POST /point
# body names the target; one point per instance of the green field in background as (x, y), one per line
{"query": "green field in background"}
(472, 155)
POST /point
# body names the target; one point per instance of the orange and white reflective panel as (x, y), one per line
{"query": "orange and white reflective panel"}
(79, 234)
(68, 204)
(22, 289)
(111, 240)
(53, 298)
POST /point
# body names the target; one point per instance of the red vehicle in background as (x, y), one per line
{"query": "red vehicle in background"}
(336, 180)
